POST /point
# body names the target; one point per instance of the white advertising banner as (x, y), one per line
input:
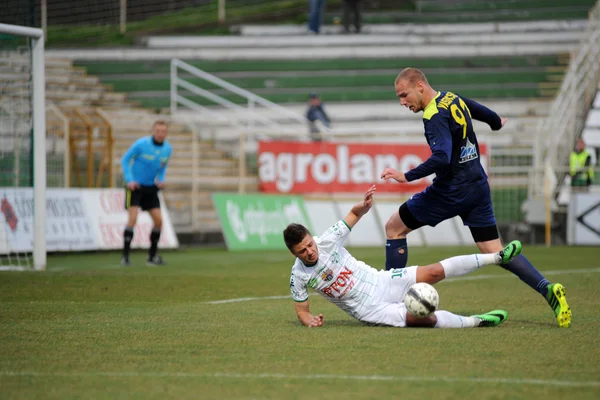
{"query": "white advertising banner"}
(68, 226)
(76, 219)
(106, 208)
(584, 219)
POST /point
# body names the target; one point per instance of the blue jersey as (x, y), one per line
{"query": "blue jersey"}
(455, 157)
(146, 161)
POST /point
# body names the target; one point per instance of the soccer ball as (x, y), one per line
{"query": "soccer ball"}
(421, 300)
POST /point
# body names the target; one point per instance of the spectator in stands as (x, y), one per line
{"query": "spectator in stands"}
(581, 168)
(316, 112)
(316, 9)
(352, 7)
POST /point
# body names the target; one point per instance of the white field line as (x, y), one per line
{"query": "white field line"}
(467, 278)
(330, 377)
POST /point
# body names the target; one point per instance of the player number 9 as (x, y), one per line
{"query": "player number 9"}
(459, 116)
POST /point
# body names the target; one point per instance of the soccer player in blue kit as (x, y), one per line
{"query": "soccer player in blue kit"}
(144, 167)
(461, 186)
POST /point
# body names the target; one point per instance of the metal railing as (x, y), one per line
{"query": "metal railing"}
(250, 119)
(556, 135)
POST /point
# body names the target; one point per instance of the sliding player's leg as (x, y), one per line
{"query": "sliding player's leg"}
(463, 265)
(395, 314)
(446, 319)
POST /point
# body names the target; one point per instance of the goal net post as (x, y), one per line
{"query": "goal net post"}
(22, 120)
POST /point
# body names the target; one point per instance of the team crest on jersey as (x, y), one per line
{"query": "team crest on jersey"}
(335, 258)
(468, 152)
(327, 275)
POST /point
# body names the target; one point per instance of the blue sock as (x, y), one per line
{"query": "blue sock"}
(396, 253)
(521, 267)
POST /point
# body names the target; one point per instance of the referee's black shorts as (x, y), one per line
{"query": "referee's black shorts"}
(145, 197)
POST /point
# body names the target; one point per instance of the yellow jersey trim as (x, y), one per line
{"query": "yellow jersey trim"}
(431, 108)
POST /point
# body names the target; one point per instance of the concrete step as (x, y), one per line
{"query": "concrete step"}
(226, 183)
(309, 52)
(431, 29)
(184, 167)
(375, 111)
(303, 41)
(100, 97)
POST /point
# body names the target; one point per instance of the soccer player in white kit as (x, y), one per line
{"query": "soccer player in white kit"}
(369, 295)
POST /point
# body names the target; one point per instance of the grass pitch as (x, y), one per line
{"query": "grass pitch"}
(88, 328)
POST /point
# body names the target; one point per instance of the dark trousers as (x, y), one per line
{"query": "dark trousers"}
(352, 7)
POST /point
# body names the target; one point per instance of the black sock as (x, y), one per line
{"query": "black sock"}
(154, 237)
(127, 238)
(396, 253)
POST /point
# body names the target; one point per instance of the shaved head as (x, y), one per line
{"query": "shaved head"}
(413, 89)
(412, 76)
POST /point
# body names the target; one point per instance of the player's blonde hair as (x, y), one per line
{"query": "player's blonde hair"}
(412, 75)
(160, 122)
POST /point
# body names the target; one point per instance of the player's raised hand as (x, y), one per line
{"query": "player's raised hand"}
(368, 200)
(317, 321)
(503, 120)
(391, 173)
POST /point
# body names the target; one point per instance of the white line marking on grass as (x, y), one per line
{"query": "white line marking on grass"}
(467, 278)
(504, 381)
(247, 299)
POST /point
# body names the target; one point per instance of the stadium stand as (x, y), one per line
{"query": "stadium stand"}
(80, 108)
(591, 131)
(512, 59)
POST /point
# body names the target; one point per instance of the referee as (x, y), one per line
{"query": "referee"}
(144, 167)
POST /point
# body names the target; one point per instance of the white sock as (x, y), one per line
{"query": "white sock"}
(462, 265)
(446, 319)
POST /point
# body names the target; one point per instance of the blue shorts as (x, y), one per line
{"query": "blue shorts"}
(473, 205)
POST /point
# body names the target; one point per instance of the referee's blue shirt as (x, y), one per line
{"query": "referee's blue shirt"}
(146, 161)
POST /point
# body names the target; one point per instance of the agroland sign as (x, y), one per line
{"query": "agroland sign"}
(299, 167)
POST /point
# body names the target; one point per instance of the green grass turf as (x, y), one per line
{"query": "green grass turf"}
(87, 328)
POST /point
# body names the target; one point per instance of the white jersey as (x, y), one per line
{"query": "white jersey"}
(338, 276)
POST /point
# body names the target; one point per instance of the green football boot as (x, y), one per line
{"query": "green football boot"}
(492, 318)
(557, 299)
(512, 250)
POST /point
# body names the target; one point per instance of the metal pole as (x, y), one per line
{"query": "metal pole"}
(173, 86)
(123, 16)
(221, 10)
(44, 18)
(39, 153)
(242, 164)
(194, 198)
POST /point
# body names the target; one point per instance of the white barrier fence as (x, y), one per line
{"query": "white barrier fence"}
(76, 219)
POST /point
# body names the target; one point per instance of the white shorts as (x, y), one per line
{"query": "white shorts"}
(388, 307)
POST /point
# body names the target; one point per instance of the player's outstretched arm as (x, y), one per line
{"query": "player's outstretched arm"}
(305, 317)
(484, 114)
(360, 208)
